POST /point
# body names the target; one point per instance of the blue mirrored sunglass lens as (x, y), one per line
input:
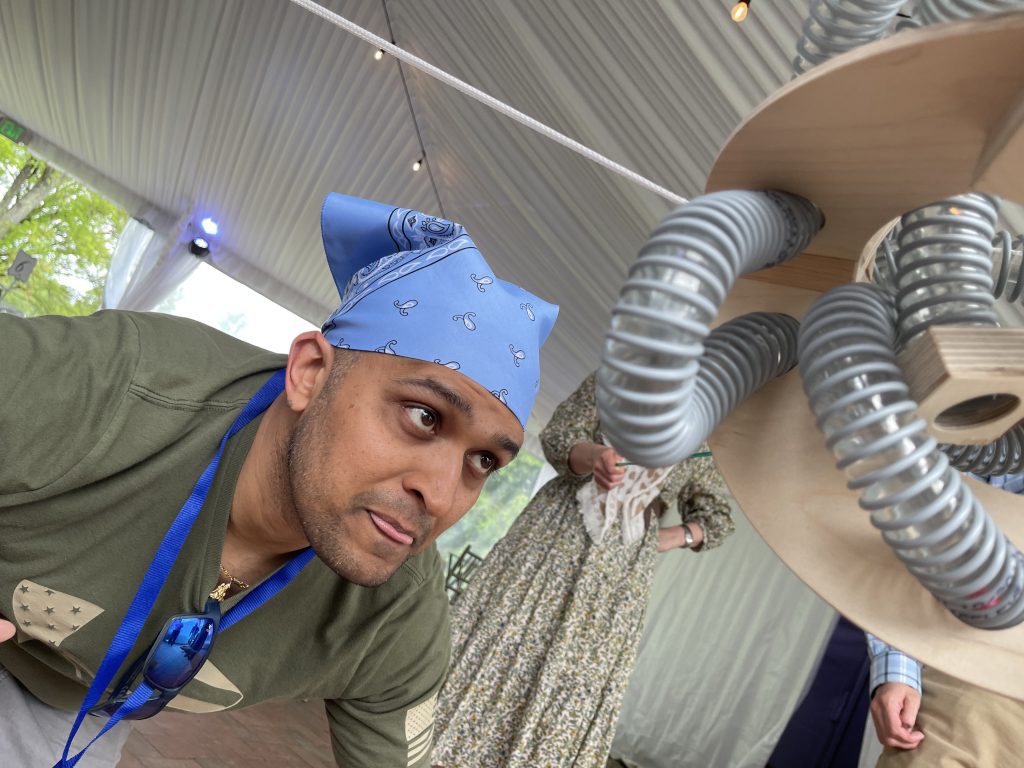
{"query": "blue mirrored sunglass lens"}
(181, 651)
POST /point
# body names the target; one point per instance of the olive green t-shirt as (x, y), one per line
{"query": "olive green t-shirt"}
(106, 422)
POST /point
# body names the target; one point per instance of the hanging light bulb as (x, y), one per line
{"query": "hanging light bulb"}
(739, 11)
(418, 164)
(378, 54)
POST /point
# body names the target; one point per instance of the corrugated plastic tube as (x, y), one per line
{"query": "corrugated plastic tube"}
(936, 11)
(920, 503)
(944, 265)
(947, 268)
(657, 396)
(833, 27)
(1008, 267)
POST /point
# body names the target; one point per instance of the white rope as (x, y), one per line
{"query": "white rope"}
(490, 101)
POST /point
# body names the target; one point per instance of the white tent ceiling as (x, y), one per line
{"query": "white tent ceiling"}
(253, 110)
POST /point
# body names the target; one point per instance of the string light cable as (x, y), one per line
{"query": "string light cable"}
(475, 93)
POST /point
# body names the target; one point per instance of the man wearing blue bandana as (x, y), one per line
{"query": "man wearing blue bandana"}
(164, 489)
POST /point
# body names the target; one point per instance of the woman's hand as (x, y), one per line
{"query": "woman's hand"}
(6, 630)
(602, 461)
(607, 473)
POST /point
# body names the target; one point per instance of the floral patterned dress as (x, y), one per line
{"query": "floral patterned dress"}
(545, 636)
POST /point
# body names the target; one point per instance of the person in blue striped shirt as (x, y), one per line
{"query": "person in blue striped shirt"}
(963, 721)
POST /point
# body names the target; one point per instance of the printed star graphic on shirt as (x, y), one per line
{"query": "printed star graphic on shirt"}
(46, 614)
(419, 729)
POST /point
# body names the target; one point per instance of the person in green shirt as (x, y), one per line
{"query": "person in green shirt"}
(389, 423)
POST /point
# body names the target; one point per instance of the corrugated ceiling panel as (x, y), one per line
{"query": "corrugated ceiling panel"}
(249, 110)
(656, 86)
(254, 109)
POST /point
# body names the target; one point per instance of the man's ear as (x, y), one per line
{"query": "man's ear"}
(309, 366)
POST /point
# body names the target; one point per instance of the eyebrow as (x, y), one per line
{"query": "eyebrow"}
(452, 397)
(508, 444)
(463, 406)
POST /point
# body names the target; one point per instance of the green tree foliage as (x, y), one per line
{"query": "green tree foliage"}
(501, 501)
(68, 227)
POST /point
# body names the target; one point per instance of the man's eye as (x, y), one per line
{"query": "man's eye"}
(484, 462)
(423, 419)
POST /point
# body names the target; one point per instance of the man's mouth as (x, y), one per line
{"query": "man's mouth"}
(391, 529)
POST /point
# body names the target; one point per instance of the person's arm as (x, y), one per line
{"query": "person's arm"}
(56, 378)
(573, 423)
(674, 537)
(698, 491)
(895, 695)
(55, 375)
(373, 733)
(598, 460)
(386, 717)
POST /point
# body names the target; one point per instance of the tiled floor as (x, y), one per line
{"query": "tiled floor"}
(264, 736)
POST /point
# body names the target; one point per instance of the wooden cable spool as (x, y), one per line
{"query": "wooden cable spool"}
(882, 130)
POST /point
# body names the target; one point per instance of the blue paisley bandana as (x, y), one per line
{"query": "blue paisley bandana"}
(416, 286)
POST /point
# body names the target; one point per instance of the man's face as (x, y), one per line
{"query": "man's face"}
(389, 457)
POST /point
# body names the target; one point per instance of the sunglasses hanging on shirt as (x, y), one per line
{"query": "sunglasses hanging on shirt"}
(187, 640)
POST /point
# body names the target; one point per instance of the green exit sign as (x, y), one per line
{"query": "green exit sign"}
(11, 129)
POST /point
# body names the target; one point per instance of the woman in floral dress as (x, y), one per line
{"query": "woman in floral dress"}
(545, 636)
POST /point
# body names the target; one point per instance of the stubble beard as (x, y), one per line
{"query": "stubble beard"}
(321, 520)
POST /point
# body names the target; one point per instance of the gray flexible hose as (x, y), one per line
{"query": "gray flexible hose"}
(947, 272)
(836, 26)
(944, 265)
(740, 356)
(937, 11)
(941, 272)
(1004, 456)
(1008, 267)
(925, 512)
(653, 351)
(833, 27)
(884, 273)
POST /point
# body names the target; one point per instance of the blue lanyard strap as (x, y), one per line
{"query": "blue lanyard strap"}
(156, 575)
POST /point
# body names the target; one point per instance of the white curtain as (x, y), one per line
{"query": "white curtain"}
(731, 640)
(132, 243)
(151, 258)
(146, 266)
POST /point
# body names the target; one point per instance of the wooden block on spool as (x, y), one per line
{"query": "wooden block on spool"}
(968, 381)
(807, 271)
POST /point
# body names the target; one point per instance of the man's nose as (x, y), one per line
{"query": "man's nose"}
(436, 478)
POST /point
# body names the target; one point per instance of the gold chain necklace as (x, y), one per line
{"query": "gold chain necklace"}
(222, 589)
